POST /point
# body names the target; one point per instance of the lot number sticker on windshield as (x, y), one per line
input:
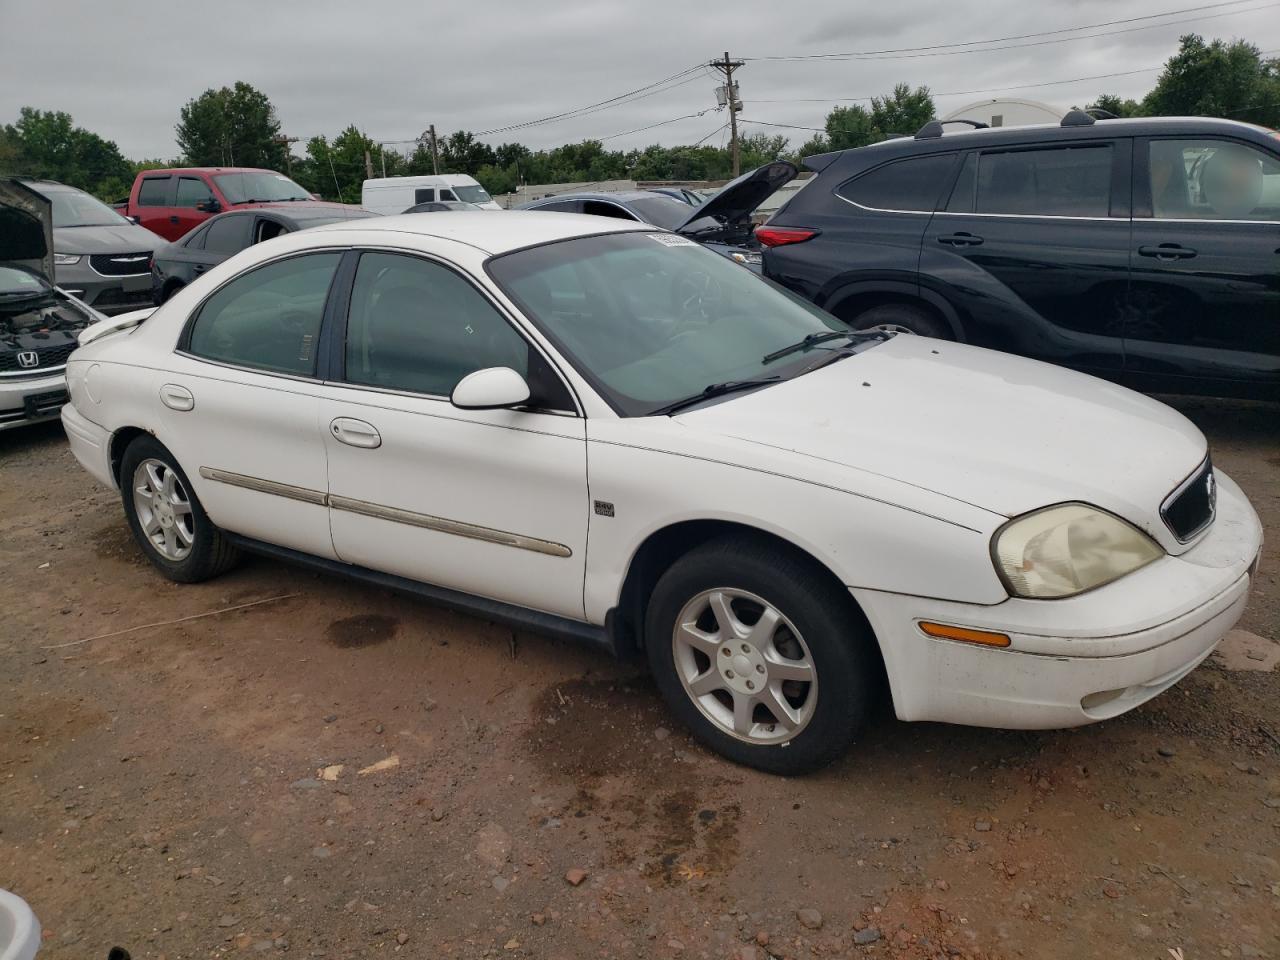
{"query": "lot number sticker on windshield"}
(671, 240)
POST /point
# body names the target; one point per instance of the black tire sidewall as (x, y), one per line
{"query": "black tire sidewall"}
(195, 566)
(832, 628)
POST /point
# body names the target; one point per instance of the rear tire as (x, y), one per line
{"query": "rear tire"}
(166, 517)
(762, 656)
(903, 318)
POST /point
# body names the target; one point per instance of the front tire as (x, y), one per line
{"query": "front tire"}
(763, 657)
(166, 517)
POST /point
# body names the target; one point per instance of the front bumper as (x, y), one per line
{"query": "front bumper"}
(1078, 660)
(27, 400)
(105, 294)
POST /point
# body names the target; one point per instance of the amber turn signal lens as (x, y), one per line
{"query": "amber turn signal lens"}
(964, 634)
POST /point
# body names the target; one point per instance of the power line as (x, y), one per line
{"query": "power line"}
(660, 123)
(593, 107)
(1018, 36)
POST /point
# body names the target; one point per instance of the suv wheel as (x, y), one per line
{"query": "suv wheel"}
(167, 519)
(902, 318)
(760, 656)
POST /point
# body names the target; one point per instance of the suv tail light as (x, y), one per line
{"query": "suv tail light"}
(781, 236)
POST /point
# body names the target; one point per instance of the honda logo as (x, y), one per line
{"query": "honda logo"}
(28, 359)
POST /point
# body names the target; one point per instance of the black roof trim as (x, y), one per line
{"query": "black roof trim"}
(1077, 118)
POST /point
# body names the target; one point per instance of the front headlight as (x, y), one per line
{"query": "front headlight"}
(1068, 549)
(66, 259)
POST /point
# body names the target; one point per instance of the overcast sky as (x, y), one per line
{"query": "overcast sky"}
(123, 68)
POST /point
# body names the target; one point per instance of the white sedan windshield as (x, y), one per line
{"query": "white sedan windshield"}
(652, 318)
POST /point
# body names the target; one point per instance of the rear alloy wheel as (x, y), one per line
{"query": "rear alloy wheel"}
(166, 517)
(761, 654)
(902, 318)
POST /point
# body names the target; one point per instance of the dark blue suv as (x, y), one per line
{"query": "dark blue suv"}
(1144, 250)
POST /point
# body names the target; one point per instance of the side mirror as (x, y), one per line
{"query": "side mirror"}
(209, 206)
(133, 220)
(493, 388)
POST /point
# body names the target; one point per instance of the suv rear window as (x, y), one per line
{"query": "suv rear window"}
(1054, 182)
(911, 184)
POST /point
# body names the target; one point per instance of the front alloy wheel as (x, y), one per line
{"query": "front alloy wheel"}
(164, 510)
(742, 635)
(745, 666)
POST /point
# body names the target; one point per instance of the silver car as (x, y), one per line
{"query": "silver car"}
(99, 256)
(40, 325)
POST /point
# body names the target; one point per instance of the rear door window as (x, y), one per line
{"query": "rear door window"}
(1067, 181)
(154, 192)
(909, 185)
(268, 318)
(424, 195)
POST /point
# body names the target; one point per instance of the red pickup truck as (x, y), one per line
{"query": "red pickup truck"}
(170, 202)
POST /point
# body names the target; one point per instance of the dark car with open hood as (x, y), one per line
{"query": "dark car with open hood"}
(39, 324)
(723, 223)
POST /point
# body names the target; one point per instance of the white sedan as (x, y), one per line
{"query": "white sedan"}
(602, 430)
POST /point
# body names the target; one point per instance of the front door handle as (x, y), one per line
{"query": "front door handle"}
(173, 219)
(355, 433)
(177, 398)
(198, 268)
(961, 239)
(1167, 252)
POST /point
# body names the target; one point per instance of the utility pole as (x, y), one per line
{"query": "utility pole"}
(368, 166)
(288, 154)
(727, 66)
(435, 152)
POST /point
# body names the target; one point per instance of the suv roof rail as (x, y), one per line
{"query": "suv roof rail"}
(933, 128)
(1099, 114)
(1077, 118)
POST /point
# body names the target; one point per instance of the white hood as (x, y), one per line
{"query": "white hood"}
(993, 430)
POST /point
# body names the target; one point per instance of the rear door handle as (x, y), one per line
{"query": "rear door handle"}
(173, 219)
(198, 268)
(176, 397)
(355, 433)
(961, 239)
(1167, 251)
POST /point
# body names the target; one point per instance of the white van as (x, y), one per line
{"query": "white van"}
(391, 195)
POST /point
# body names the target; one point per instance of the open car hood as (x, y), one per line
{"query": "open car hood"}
(26, 228)
(738, 199)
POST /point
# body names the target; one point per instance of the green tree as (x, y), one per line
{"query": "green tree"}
(231, 126)
(336, 169)
(1118, 106)
(1217, 79)
(461, 152)
(904, 111)
(48, 144)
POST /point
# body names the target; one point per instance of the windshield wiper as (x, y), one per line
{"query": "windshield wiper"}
(709, 392)
(816, 338)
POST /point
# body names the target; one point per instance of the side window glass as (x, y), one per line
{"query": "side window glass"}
(447, 195)
(416, 325)
(1212, 180)
(1059, 182)
(424, 195)
(268, 319)
(561, 206)
(602, 208)
(154, 192)
(191, 191)
(228, 234)
(195, 241)
(903, 185)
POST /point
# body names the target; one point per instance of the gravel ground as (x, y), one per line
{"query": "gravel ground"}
(345, 772)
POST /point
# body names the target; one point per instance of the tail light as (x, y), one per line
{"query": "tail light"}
(781, 236)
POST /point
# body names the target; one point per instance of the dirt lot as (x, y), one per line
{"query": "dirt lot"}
(161, 789)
